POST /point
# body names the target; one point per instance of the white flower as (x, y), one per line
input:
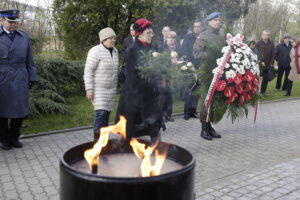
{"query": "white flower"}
(227, 65)
(154, 54)
(183, 68)
(235, 66)
(230, 74)
(174, 54)
(215, 71)
(219, 61)
(189, 64)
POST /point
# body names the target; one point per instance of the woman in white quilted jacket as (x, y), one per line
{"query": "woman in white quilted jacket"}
(100, 78)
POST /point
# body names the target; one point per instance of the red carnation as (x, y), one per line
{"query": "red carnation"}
(248, 76)
(256, 82)
(232, 98)
(238, 79)
(242, 99)
(248, 86)
(221, 85)
(230, 80)
(229, 91)
(248, 97)
(239, 88)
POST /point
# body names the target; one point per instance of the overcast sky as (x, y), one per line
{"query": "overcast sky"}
(42, 3)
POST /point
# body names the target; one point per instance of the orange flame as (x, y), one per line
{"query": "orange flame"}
(144, 154)
(141, 151)
(92, 155)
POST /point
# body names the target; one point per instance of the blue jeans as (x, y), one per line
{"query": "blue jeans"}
(100, 120)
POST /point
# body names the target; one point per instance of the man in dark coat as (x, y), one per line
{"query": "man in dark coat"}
(190, 101)
(128, 41)
(282, 56)
(266, 49)
(17, 74)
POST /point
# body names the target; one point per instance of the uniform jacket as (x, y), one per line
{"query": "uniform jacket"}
(16, 70)
(101, 76)
(199, 49)
(139, 98)
(294, 76)
(282, 55)
(266, 52)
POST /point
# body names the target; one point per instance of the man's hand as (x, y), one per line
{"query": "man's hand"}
(89, 95)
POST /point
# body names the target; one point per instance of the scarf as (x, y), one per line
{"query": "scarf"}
(297, 57)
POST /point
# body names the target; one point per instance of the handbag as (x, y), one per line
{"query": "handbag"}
(271, 73)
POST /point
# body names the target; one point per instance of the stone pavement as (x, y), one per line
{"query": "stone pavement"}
(252, 161)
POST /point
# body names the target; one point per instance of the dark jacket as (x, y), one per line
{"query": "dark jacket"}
(266, 52)
(187, 47)
(139, 98)
(16, 70)
(282, 55)
(128, 41)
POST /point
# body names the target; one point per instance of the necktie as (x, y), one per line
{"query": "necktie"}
(11, 36)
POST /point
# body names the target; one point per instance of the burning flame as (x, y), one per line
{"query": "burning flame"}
(92, 155)
(144, 154)
(141, 151)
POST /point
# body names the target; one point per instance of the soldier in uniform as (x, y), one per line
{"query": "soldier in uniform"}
(211, 34)
(17, 74)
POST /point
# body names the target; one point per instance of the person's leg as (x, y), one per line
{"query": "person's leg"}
(288, 88)
(286, 75)
(170, 106)
(279, 77)
(4, 136)
(14, 131)
(187, 107)
(205, 125)
(100, 120)
(264, 83)
(194, 104)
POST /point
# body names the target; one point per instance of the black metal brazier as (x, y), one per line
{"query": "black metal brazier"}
(175, 185)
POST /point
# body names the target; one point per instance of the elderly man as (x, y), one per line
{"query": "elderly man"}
(266, 49)
(210, 35)
(17, 74)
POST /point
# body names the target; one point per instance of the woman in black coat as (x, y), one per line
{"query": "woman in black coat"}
(139, 98)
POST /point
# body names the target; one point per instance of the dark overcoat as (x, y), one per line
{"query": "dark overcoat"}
(139, 98)
(16, 70)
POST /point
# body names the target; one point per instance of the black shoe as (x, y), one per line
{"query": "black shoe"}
(195, 115)
(16, 144)
(213, 132)
(205, 131)
(287, 94)
(186, 117)
(170, 119)
(5, 146)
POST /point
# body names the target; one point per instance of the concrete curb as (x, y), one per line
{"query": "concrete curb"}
(33, 135)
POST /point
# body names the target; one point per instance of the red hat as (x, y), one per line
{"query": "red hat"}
(140, 25)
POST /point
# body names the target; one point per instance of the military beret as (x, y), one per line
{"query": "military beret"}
(212, 16)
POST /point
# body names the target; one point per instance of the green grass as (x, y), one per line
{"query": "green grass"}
(82, 113)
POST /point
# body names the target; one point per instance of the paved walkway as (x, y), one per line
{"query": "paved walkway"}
(260, 161)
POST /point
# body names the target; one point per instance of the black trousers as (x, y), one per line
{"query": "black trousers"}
(190, 105)
(286, 72)
(166, 102)
(264, 83)
(10, 131)
(289, 86)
